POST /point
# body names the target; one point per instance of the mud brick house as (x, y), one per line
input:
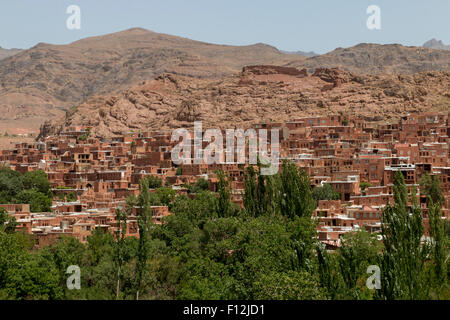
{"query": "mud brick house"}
(365, 215)
(370, 168)
(82, 229)
(347, 188)
(158, 213)
(22, 214)
(408, 171)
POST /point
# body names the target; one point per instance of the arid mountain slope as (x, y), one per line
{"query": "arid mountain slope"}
(369, 58)
(47, 80)
(436, 44)
(42, 82)
(5, 53)
(258, 94)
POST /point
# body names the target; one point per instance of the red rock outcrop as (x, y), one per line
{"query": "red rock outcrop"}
(171, 101)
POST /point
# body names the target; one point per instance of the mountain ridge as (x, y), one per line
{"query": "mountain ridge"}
(46, 80)
(436, 44)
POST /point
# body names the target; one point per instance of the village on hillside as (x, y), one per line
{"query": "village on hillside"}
(91, 178)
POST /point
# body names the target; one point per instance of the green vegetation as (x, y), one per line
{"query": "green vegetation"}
(431, 187)
(32, 188)
(363, 185)
(211, 249)
(153, 182)
(85, 135)
(7, 223)
(201, 185)
(325, 192)
(405, 273)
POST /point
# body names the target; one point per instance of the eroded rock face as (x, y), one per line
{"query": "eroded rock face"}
(188, 111)
(333, 75)
(173, 101)
(47, 128)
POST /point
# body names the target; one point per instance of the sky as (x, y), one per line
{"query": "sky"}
(306, 25)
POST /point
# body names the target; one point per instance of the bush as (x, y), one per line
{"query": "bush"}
(325, 192)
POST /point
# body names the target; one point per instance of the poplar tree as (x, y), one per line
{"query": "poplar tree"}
(402, 262)
(328, 268)
(261, 196)
(250, 192)
(438, 241)
(262, 193)
(144, 224)
(224, 208)
(273, 194)
(121, 218)
(431, 187)
(296, 198)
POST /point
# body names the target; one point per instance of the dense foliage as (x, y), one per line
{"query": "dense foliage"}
(32, 188)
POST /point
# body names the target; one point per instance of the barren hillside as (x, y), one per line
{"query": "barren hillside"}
(42, 83)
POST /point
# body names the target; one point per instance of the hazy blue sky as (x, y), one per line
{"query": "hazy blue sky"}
(316, 25)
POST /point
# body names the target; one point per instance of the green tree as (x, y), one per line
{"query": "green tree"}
(328, 271)
(32, 277)
(38, 201)
(11, 183)
(120, 233)
(402, 263)
(201, 185)
(8, 223)
(288, 285)
(165, 195)
(66, 251)
(325, 192)
(431, 187)
(297, 198)
(262, 193)
(358, 251)
(439, 243)
(153, 182)
(273, 194)
(37, 180)
(363, 185)
(250, 193)
(144, 224)
(224, 208)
